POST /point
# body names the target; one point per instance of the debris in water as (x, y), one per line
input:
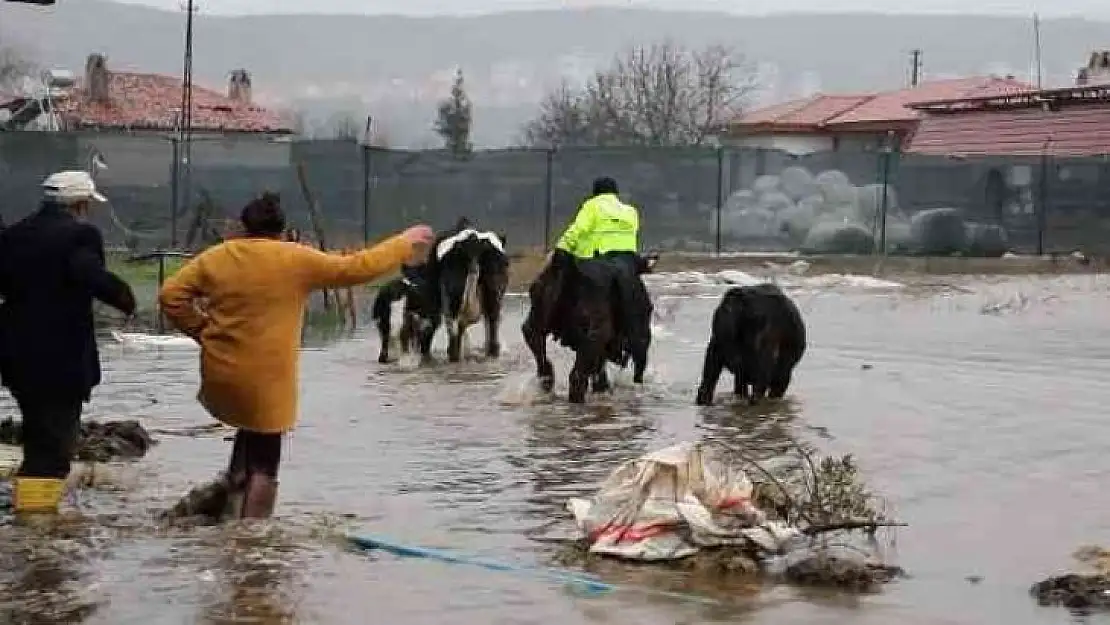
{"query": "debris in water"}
(98, 442)
(689, 507)
(1079, 591)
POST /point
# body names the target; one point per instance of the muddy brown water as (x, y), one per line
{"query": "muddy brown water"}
(977, 405)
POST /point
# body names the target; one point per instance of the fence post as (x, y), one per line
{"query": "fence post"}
(549, 198)
(884, 203)
(175, 188)
(367, 171)
(1042, 198)
(720, 192)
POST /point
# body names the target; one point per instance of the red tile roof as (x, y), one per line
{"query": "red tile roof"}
(828, 112)
(150, 102)
(803, 114)
(895, 105)
(1079, 130)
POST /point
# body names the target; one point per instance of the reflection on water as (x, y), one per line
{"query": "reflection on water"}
(254, 580)
(571, 449)
(977, 406)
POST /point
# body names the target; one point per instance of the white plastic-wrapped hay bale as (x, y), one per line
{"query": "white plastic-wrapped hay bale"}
(986, 240)
(739, 200)
(796, 221)
(844, 213)
(836, 187)
(797, 183)
(869, 199)
(938, 232)
(838, 238)
(774, 202)
(752, 222)
(765, 184)
(898, 237)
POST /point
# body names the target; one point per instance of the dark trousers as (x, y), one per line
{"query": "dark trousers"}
(51, 427)
(254, 452)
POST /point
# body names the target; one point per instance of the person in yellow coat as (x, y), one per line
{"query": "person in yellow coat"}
(243, 301)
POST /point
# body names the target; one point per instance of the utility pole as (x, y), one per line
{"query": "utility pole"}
(185, 129)
(915, 68)
(1037, 50)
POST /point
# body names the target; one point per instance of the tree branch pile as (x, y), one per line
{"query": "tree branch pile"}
(660, 95)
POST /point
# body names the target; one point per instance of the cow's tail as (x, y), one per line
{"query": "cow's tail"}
(471, 309)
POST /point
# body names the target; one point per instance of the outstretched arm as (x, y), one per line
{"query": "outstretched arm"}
(86, 265)
(582, 225)
(320, 270)
(179, 296)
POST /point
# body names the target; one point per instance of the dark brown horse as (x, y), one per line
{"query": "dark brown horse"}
(588, 306)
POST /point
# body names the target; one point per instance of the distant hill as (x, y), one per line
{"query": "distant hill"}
(399, 65)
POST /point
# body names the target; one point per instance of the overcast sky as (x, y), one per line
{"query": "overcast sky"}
(1087, 8)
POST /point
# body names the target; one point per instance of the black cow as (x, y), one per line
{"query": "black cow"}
(588, 306)
(759, 336)
(401, 304)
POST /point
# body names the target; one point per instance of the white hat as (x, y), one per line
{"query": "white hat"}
(71, 186)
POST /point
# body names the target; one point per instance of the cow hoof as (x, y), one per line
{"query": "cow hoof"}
(638, 379)
(383, 359)
(577, 398)
(493, 351)
(547, 383)
(703, 399)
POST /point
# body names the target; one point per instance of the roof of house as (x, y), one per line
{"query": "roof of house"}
(151, 101)
(827, 112)
(1076, 130)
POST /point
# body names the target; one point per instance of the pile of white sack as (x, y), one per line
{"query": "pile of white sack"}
(672, 503)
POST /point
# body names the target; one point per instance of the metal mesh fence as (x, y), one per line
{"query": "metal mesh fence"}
(691, 199)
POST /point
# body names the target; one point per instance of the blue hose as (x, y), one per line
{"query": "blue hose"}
(591, 584)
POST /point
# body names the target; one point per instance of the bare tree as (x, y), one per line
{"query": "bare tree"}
(298, 121)
(661, 95)
(344, 126)
(13, 67)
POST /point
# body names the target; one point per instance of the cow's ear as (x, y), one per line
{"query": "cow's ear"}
(504, 239)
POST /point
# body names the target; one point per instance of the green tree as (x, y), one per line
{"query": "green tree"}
(454, 118)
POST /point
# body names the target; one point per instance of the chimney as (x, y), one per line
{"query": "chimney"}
(97, 78)
(239, 86)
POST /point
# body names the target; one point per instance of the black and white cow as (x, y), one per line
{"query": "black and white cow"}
(400, 305)
(468, 273)
(464, 280)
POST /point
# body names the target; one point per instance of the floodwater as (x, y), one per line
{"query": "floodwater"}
(981, 416)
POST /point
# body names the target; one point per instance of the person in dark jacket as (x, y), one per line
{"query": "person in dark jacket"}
(51, 268)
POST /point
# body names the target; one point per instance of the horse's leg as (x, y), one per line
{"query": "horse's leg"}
(585, 367)
(640, 348)
(601, 379)
(536, 338)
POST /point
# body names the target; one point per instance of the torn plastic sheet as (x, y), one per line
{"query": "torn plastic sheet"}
(671, 503)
